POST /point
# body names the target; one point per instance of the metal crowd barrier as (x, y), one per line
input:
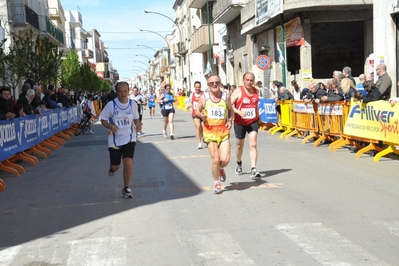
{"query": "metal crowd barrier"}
(329, 121)
(22, 138)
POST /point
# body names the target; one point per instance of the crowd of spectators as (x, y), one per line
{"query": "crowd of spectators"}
(32, 99)
(341, 87)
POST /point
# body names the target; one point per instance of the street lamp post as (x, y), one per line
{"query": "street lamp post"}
(140, 62)
(141, 68)
(143, 56)
(180, 44)
(167, 44)
(147, 47)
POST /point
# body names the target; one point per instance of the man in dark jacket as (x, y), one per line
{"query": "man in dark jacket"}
(384, 82)
(5, 106)
(110, 96)
(373, 94)
(285, 94)
(26, 103)
(31, 80)
(316, 93)
(334, 93)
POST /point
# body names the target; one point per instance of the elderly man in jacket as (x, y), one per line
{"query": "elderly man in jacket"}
(384, 82)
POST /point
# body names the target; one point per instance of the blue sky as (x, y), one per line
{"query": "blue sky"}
(119, 23)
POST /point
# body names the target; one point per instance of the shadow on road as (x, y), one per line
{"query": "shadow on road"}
(72, 187)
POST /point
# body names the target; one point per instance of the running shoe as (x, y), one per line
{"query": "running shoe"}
(91, 131)
(217, 188)
(238, 170)
(222, 175)
(165, 135)
(200, 146)
(127, 193)
(110, 172)
(255, 174)
(172, 137)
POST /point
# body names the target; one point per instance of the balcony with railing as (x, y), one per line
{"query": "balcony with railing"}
(74, 18)
(21, 15)
(224, 11)
(87, 53)
(179, 49)
(200, 39)
(46, 26)
(197, 3)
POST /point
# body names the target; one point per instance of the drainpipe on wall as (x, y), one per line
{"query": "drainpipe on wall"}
(284, 78)
(209, 36)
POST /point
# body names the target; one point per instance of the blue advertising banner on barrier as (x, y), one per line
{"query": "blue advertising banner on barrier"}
(22, 133)
(267, 111)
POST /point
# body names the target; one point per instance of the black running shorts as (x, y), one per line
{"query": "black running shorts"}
(125, 151)
(165, 113)
(240, 131)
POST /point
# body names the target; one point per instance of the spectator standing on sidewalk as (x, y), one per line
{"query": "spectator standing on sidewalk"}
(120, 116)
(384, 82)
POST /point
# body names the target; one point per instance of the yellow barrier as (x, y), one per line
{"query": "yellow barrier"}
(181, 102)
(326, 121)
(304, 119)
(285, 119)
(331, 123)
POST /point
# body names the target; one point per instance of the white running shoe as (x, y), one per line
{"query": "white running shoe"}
(255, 174)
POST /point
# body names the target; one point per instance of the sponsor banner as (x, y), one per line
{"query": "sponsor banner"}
(293, 33)
(22, 133)
(303, 108)
(375, 120)
(329, 109)
(267, 111)
(266, 10)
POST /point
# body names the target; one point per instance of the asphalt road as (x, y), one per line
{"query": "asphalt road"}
(311, 207)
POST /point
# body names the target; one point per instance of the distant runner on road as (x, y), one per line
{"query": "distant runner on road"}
(194, 98)
(168, 111)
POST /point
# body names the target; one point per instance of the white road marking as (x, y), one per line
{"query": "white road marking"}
(8, 254)
(392, 227)
(212, 247)
(327, 246)
(107, 251)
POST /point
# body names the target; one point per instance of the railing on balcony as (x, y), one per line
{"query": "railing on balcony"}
(200, 39)
(74, 18)
(87, 53)
(47, 26)
(225, 11)
(22, 14)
